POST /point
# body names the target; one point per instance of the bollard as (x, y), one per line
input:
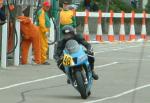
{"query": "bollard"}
(51, 38)
(4, 46)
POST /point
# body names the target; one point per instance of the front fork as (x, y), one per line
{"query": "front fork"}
(70, 74)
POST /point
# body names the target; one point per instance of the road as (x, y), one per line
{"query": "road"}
(123, 69)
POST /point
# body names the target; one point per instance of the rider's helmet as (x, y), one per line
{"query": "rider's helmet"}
(68, 31)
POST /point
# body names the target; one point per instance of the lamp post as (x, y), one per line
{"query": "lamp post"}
(55, 8)
(55, 15)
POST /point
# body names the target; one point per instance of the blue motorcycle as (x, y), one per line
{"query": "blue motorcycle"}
(75, 61)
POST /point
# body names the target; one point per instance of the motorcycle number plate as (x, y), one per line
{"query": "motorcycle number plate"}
(67, 60)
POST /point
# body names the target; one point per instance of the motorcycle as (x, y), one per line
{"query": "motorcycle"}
(77, 68)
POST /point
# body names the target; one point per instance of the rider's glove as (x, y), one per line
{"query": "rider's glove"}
(90, 51)
(59, 60)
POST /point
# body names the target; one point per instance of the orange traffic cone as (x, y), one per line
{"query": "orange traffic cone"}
(86, 27)
(143, 32)
(132, 35)
(122, 28)
(111, 31)
(99, 27)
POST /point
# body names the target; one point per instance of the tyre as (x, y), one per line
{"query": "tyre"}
(80, 84)
(89, 93)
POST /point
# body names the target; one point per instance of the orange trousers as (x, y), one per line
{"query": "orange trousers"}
(36, 45)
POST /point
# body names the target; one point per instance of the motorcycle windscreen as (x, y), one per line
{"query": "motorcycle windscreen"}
(72, 46)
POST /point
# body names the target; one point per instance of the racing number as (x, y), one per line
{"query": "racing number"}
(67, 60)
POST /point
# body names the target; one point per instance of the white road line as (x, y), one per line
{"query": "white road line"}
(118, 95)
(106, 65)
(99, 52)
(28, 82)
(42, 79)
(147, 59)
(116, 49)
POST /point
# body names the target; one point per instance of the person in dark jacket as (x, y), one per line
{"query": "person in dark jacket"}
(2, 14)
(87, 4)
(69, 33)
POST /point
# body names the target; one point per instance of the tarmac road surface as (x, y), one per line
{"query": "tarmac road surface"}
(124, 77)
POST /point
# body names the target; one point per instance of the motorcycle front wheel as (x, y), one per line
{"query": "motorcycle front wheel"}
(80, 84)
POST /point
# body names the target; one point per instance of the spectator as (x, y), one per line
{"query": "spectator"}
(2, 14)
(67, 16)
(30, 35)
(87, 4)
(94, 6)
(44, 24)
(134, 3)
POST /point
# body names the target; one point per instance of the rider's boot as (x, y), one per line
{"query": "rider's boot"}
(68, 81)
(63, 70)
(94, 75)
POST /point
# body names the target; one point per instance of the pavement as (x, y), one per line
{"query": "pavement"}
(123, 69)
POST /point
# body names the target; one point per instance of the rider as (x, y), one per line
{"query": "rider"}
(69, 33)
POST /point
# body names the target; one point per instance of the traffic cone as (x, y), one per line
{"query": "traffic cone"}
(132, 35)
(99, 28)
(86, 27)
(111, 31)
(143, 32)
(122, 28)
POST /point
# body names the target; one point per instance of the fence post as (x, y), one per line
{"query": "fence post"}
(4, 46)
